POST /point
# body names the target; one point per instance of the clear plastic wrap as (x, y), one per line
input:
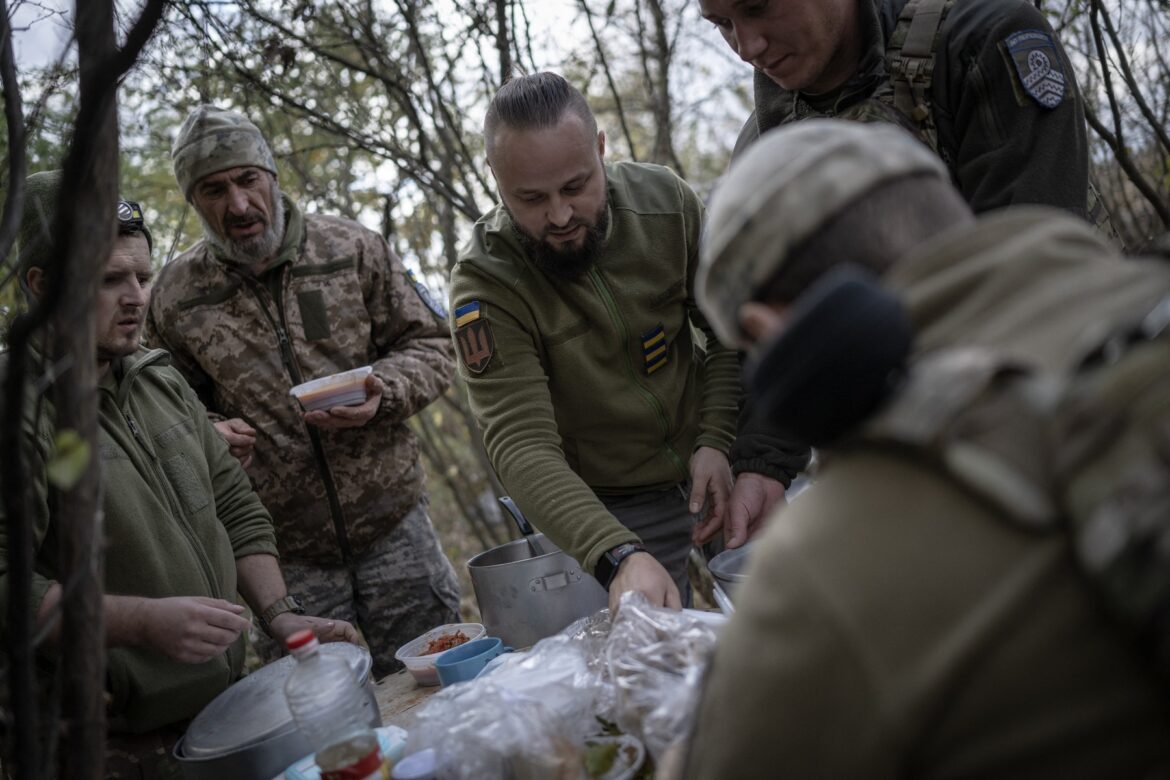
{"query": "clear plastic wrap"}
(529, 713)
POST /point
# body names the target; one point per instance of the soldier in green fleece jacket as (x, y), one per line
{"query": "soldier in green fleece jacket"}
(597, 384)
(184, 530)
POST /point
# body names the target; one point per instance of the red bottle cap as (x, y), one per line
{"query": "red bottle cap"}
(300, 638)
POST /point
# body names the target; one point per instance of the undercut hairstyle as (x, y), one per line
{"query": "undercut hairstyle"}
(534, 102)
(873, 232)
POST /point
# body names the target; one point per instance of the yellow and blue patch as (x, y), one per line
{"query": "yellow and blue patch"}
(654, 348)
(468, 312)
(473, 337)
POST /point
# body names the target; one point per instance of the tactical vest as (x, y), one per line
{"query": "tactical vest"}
(1087, 454)
(905, 99)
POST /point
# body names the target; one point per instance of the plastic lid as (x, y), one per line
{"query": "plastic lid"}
(417, 766)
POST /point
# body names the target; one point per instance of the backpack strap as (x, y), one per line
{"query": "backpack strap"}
(910, 56)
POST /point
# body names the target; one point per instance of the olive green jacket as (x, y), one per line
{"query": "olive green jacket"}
(177, 511)
(567, 405)
(896, 623)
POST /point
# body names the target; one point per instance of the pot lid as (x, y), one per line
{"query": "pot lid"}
(254, 709)
(731, 565)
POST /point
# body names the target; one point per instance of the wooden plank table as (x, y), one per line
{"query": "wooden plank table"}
(398, 695)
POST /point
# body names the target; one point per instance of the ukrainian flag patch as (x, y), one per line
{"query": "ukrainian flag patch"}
(654, 348)
(468, 312)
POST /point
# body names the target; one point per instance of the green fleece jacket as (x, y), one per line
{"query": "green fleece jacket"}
(573, 401)
(178, 510)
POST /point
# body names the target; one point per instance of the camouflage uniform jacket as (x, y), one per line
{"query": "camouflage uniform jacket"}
(603, 385)
(345, 301)
(178, 510)
(1008, 117)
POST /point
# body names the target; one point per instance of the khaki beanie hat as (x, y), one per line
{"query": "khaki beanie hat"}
(35, 238)
(787, 185)
(216, 139)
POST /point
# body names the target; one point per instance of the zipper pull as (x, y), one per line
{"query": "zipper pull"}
(134, 430)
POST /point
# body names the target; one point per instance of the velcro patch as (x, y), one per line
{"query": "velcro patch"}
(1038, 66)
(431, 302)
(473, 336)
(654, 348)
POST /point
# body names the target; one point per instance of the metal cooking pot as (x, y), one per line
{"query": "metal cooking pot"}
(729, 568)
(248, 732)
(525, 597)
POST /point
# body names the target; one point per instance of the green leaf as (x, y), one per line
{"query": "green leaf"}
(70, 457)
(600, 757)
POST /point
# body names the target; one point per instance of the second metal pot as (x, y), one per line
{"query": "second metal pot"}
(524, 598)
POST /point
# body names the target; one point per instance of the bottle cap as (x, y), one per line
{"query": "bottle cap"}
(303, 638)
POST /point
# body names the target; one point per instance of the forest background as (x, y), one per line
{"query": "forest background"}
(374, 108)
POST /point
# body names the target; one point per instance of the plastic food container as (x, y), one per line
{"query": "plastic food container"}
(422, 667)
(345, 389)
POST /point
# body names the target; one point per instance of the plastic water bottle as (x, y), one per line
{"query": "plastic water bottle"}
(325, 697)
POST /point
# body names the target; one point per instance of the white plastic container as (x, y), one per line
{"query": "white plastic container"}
(326, 700)
(422, 667)
(345, 389)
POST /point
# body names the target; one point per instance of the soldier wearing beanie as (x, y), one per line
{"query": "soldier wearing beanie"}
(173, 567)
(929, 606)
(270, 298)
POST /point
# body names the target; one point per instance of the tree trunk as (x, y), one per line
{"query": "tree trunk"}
(88, 206)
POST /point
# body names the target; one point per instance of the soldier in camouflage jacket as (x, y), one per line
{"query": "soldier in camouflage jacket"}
(272, 298)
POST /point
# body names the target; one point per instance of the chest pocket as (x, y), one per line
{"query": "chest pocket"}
(173, 447)
(314, 317)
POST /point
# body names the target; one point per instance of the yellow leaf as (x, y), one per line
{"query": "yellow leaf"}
(70, 457)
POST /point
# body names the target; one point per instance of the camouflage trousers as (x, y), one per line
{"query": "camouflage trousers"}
(401, 588)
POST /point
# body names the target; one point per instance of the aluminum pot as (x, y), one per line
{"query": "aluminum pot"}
(524, 597)
(729, 568)
(248, 732)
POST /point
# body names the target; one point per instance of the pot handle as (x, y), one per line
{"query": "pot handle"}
(517, 515)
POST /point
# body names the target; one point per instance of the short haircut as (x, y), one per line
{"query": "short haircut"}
(535, 101)
(874, 232)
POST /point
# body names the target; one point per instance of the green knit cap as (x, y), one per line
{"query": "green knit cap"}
(213, 140)
(35, 239)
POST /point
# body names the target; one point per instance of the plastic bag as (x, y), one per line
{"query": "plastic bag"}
(528, 714)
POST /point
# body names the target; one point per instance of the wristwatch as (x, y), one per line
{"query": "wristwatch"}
(607, 567)
(289, 603)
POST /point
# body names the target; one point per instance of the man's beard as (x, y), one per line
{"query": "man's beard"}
(254, 250)
(570, 263)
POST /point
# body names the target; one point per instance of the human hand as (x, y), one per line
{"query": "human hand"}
(286, 624)
(240, 438)
(350, 416)
(753, 499)
(189, 629)
(711, 484)
(641, 572)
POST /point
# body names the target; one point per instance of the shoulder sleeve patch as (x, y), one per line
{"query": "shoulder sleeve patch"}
(427, 297)
(1037, 66)
(473, 336)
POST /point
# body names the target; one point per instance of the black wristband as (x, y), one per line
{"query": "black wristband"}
(607, 566)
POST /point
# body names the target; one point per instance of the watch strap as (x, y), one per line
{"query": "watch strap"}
(277, 608)
(607, 566)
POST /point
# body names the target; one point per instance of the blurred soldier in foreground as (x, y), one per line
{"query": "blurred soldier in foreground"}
(972, 587)
(600, 390)
(269, 299)
(183, 529)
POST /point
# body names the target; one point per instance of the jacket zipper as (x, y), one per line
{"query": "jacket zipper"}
(279, 325)
(649, 397)
(176, 507)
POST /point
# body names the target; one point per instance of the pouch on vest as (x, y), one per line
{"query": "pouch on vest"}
(1085, 453)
